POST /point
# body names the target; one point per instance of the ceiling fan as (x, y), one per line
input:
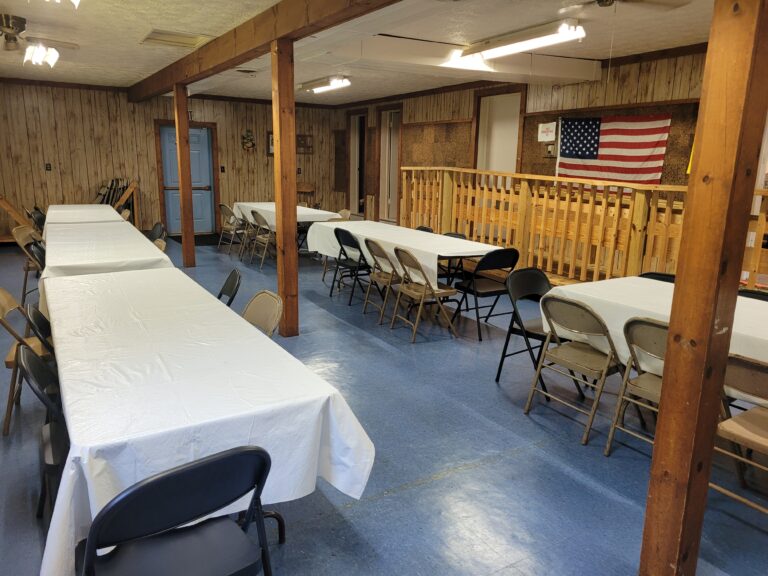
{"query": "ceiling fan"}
(569, 5)
(13, 30)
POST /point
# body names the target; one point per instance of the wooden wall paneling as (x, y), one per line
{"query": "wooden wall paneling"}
(664, 80)
(629, 81)
(50, 144)
(697, 74)
(77, 151)
(91, 143)
(646, 80)
(33, 145)
(63, 144)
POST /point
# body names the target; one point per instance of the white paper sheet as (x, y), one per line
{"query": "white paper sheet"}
(267, 210)
(81, 213)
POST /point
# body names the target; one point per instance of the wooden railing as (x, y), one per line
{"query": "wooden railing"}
(574, 229)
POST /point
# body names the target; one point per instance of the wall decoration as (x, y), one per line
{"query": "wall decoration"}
(304, 144)
(248, 141)
(547, 132)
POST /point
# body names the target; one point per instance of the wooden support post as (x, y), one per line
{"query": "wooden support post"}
(447, 196)
(728, 136)
(638, 232)
(284, 130)
(181, 111)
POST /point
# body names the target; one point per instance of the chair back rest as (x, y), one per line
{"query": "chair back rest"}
(754, 294)
(157, 232)
(748, 376)
(347, 242)
(380, 257)
(125, 213)
(25, 235)
(660, 276)
(264, 311)
(573, 316)
(7, 303)
(413, 273)
(41, 379)
(160, 243)
(37, 251)
(260, 221)
(455, 235)
(231, 286)
(503, 258)
(38, 218)
(40, 325)
(425, 229)
(530, 283)
(647, 342)
(179, 496)
(345, 214)
(228, 214)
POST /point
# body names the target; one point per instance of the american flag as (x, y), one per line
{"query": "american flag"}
(621, 148)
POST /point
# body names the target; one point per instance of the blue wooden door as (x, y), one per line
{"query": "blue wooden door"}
(202, 179)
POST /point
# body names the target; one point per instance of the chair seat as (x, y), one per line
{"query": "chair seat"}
(351, 264)
(215, 547)
(381, 277)
(581, 358)
(749, 429)
(483, 287)
(34, 343)
(418, 290)
(646, 386)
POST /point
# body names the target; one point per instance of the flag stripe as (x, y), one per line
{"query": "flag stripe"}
(614, 169)
(605, 131)
(625, 158)
(633, 152)
(639, 178)
(650, 138)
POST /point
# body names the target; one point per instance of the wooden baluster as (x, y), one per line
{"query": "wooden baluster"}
(587, 254)
(543, 228)
(566, 226)
(577, 231)
(553, 234)
(651, 233)
(618, 211)
(666, 229)
(601, 231)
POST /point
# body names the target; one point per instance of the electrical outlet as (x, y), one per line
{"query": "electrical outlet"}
(48, 167)
(221, 168)
(298, 170)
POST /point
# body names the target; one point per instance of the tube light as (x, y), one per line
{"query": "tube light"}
(39, 54)
(528, 40)
(75, 2)
(325, 84)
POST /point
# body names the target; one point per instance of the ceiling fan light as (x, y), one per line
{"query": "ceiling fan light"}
(51, 57)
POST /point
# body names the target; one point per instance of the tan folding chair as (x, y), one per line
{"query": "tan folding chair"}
(264, 311)
(417, 288)
(584, 362)
(233, 226)
(647, 342)
(125, 214)
(345, 214)
(748, 430)
(8, 305)
(383, 275)
(262, 237)
(160, 243)
(24, 236)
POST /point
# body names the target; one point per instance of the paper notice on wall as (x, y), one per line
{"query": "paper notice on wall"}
(547, 132)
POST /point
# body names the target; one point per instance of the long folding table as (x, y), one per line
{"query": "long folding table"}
(81, 213)
(156, 372)
(267, 210)
(428, 248)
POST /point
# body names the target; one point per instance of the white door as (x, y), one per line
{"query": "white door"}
(390, 165)
(357, 164)
(498, 133)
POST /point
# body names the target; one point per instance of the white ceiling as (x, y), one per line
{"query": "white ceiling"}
(110, 31)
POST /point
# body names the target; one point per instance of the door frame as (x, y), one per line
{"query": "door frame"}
(350, 114)
(214, 168)
(497, 91)
(379, 116)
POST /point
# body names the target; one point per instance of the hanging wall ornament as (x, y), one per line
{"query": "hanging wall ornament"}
(248, 141)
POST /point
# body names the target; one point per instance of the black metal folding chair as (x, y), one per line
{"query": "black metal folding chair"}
(351, 261)
(230, 287)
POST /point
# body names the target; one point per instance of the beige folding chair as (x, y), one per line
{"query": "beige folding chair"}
(417, 288)
(582, 360)
(647, 342)
(24, 236)
(8, 305)
(748, 430)
(160, 243)
(345, 214)
(233, 226)
(125, 214)
(261, 237)
(264, 311)
(383, 275)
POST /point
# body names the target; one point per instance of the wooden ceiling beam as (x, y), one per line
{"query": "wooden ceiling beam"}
(291, 19)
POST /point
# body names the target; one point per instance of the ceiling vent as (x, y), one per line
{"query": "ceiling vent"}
(176, 39)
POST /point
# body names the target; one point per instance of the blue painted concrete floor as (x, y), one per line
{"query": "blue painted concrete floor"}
(463, 483)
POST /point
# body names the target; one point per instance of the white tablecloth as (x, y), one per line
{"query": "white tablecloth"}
(78, 213)
(619, 299)
(267, 210)
(90, 248)
(428, 248)
(155, 372)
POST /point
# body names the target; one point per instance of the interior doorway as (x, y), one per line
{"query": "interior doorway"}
(499, 132)
(357, 129)
(389, 172)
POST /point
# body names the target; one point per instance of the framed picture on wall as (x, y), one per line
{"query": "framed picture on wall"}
(304, 144)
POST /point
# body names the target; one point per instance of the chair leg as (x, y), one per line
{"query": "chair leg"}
(578, 386)
(24, 287)
(277, 517)
(387, 290)
(42, 497)
(418, 319)
(444, 312)
(333, 282)
(477, 319)
(493, 306)
(325, 268)
(367, 296)
(354, 281)
(595, 403)
(536, 377)
(458, 308)
(506, 347)
(395, 312)
(620, 405)
(11, 398)
(263, 544)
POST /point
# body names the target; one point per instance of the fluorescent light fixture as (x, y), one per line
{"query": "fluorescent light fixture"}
(471, 62)
(39, 54)
(75, 2)
(527, 40)
(325, 84)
